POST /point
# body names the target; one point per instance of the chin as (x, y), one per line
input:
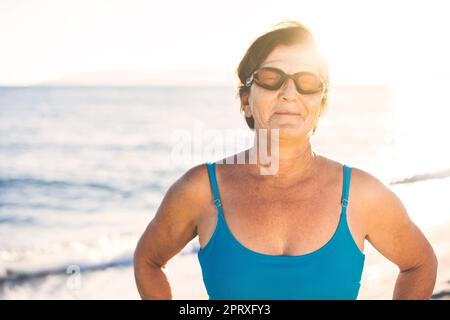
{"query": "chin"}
(287, 132)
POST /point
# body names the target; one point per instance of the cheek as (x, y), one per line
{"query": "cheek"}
(313, 103)
(261, 102)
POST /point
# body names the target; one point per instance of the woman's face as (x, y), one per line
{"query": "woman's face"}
(268, 107)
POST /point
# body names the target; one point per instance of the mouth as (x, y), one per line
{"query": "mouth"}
(287, 113)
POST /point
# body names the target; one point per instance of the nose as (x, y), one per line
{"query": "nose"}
(288, 91)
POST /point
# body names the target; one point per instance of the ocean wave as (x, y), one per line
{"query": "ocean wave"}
(20, 183)
(31, 146)
(23, 182)
(19, 277)
(31, 263)
(38, 194)
(38, 206)
(16, 220)
(441, 174)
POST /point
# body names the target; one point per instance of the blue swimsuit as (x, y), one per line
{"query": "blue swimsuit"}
(232, 271)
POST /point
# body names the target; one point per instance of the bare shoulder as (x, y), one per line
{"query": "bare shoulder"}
(366, 182)
(192, 188)
(371, 191)
(175, 222)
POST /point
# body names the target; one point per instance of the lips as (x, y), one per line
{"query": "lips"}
(288, 113)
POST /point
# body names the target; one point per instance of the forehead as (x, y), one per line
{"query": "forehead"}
(294, 58)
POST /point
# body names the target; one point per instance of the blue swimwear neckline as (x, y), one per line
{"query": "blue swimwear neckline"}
(240, 246)
(270, 256)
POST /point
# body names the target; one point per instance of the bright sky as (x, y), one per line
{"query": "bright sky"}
(363, 41)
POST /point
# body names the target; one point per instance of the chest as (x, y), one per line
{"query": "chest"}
(277, 221)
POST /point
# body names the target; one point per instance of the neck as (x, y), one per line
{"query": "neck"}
(293, 158)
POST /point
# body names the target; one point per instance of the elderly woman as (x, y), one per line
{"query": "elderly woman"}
(299, 232)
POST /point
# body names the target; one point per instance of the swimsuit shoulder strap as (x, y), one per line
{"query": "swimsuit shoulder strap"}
(213, 183)
(345, 188)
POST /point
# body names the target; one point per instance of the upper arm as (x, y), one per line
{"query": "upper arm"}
(389, 228)
(175, 222)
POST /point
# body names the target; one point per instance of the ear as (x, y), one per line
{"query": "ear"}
(323, 105)
(245, 106)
